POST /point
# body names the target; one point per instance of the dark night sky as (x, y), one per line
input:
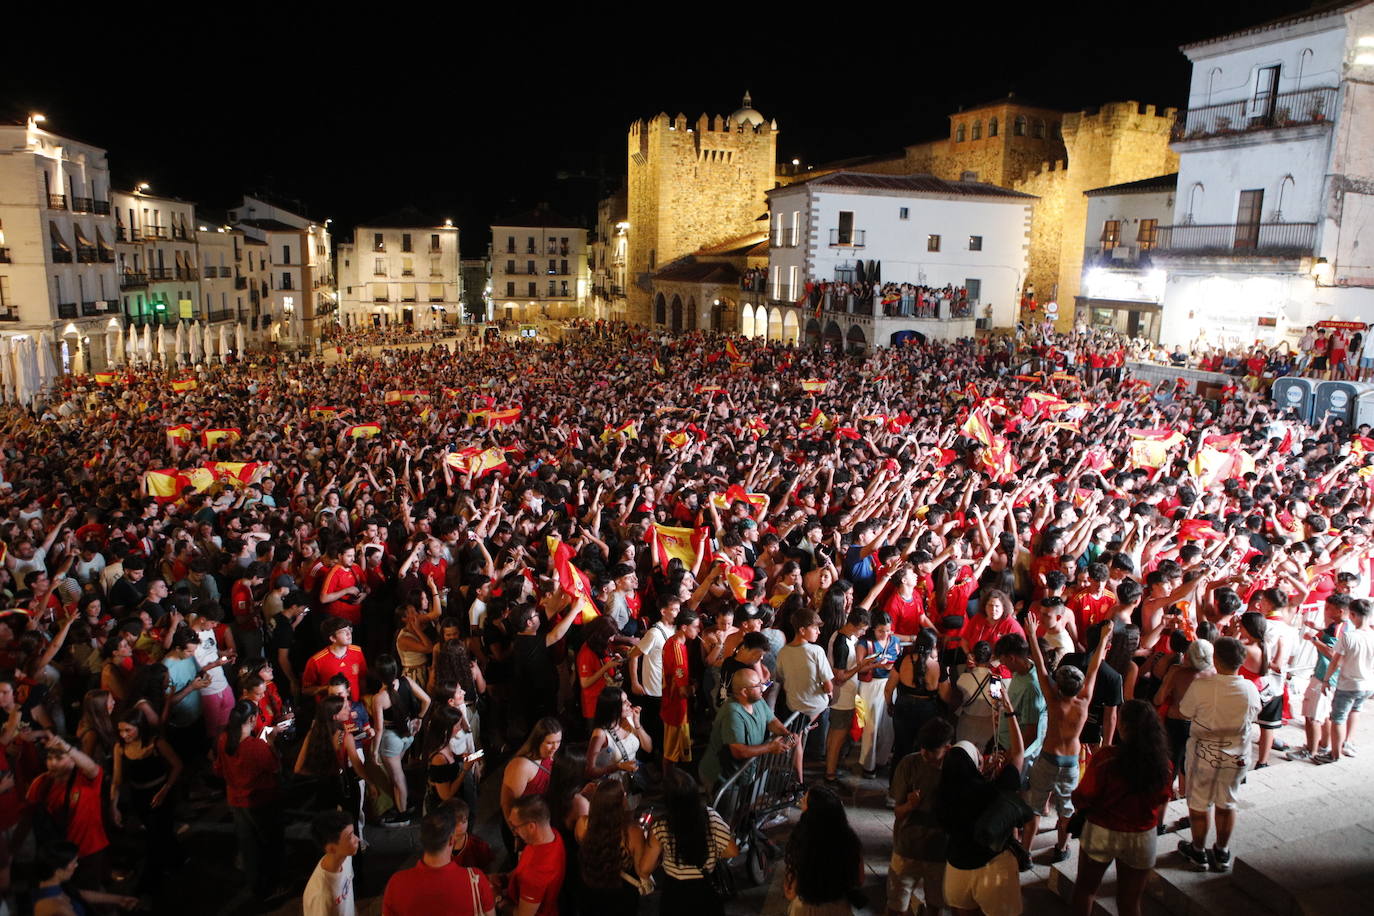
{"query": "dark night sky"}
(358, 111)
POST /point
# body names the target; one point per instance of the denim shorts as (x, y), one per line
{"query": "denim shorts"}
(1347, 701)
(1054, 777)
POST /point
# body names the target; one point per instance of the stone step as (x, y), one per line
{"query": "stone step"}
(1312, 874)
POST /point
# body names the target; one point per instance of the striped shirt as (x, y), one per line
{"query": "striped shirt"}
(719, 844)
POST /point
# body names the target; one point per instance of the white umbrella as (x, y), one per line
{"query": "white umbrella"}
(130, 345)
(23, 393)
(162, 353)
(5, 369)
(46, 365)
(146, 348)
(209, 342)
(109, 348)
(181, 340)
(193, 332)
(223, 341)
(238, 339)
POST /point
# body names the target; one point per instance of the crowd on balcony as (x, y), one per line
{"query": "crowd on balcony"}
(754, 280)
(910, 300)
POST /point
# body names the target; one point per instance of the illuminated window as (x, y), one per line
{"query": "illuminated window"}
(932, 243)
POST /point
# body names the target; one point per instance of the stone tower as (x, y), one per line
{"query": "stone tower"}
(1120, 142)
(692, 185)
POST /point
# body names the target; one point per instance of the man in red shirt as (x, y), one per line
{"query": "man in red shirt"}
(244, 608)
(538, 877)
(339, 657)
(70, 791)
(341, 592)
(436, 884)
(1092, 605)
(677, 690)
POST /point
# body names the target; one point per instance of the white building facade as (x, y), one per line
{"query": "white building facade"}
(538, 268)
(301, 294)
(1276, 182)
(401, 272)
(57, 243)
(846, 228)
(1122, 288)
(159, 274)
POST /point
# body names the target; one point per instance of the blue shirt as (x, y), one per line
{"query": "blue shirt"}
(1023, 690)
(183, 671)
(862, 573)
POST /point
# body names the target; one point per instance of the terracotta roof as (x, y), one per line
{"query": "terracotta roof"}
(699, 272)
(1143, 186)
(1317, 11)
(740, 244)
(268, 225)
(913, 184)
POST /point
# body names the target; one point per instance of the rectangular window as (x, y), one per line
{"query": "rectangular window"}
(932, 243)
(434, 242)
(532, 292)
(529, 246)
(407, 267)
(553, 266)
(777, 229)
(974, 287)
(286, 254)
(286, 280)
(1266, 93)
(1149, 231)
(1248, 218)
(563, 289)
(563, 266)
(793, 290)
(529, 268)
(510, 288)
(903, 213)
(510, 244)
(1111, 234)
(405, 241)
(553, 287)
(510, 267)
(796, 228)
(845, 230)
(377, 243)
(379, 267)
(975, 243)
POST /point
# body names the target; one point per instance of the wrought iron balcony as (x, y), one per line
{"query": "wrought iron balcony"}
(87, 254)
(61, 255)
(1285, 110)
(124, 234)
(187, 273)
(220, 315)
(66, 310)
(1239, 240)
(9, 313)
(132, 278)
(154, 232)
(82, 205)
(158, 274)
(853, 238)
(90, 309)
(102, 207)
(57, 201)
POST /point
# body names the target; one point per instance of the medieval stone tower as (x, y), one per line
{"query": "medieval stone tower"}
(692, 185)
(1120, 142)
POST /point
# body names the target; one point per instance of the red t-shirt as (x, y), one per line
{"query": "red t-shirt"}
(906, 613)
(422, 889)
(1090, 610)
(677, 681)
(587, 664)
(80, 806)
(1110, 800)
(324, 664)
(539, 876)
(252, 776)
(241, 606)
(337, 579)
(436, 571)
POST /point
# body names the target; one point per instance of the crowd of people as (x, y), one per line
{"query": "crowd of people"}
(571, 589)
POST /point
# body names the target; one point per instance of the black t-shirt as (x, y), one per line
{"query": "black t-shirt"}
(534, 671)
(959, 816)
(281, 636)
(494, 637)
(1107, 691)
(125, 595)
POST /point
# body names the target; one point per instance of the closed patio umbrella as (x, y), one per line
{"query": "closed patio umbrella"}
(223, 342)
(180, 341)
(238, 339)
(146, 348)
(162, 354)
(197, 349)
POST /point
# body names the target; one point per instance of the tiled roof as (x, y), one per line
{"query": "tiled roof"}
(913, 184)
(698, 272)
(1143, 186)
(1316, 11)
(740, 244)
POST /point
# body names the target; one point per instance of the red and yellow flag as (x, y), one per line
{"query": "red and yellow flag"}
(679, 543)
(732, 351)
(626, 429)
(707, 389)
(658, 366)
(736, 493)
(814, 385)
(677, 440)
(105, 379)
(185, 384)
(1198, 529)
(240, 471)
(363, 431)
(816, 419)
(180, 434)
(978, 427)
(506, 417)
(214, 436)
(324, 413)
(572, 580)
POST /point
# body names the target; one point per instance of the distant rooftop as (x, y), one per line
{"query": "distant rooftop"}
(268, 225)
(739, 245)
(912, 184)
(1316, 11)
(541, 218)
(1143, 186)
(404, 218)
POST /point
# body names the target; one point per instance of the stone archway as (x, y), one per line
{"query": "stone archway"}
(813, 333)
(720, 314)
(676, 311)
(791, 330)
(833, 337)
(856, 340)
(660, 310)
(775, 324)
(746, 323)
(691, 313)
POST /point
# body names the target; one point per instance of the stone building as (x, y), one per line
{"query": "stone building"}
(606, 257)
(402, 268)
(538, 267)
(692, 185)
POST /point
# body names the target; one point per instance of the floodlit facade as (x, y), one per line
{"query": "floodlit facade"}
(301, 293)
(538, 267)
(1122, 288)
(402, 269)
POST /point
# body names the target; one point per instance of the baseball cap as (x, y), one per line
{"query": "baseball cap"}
(284, 581)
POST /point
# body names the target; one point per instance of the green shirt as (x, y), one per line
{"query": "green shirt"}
(734, 725)
(918, 836)
(1023, 690)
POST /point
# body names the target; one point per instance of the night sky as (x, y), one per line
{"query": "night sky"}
(358, 111)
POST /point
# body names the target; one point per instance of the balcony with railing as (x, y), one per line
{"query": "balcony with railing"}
(187, 273)
(57, 201)
(87, 254)
(1238, 240)
(220, 315)
(101, 208)
(82, 204)
(61, 255)
(1283, 111)
(846, 238)
(90, 309)
(66, 310)
(107, 255)
(9, 313)
(155, 232)
(181, 233)
(164, 318)
(131, 279)
(5, 256)
(160, 274)
(125, 234)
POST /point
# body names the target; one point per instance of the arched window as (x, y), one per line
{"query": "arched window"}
(992, 127)
(977, 130)
(1038, 129)
(1018, 127)
(959, 134)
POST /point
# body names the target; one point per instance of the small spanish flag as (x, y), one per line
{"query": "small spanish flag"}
(572, 580)
(626, 429)
(105, 379)
(476, 416)
(814, 385)
(212, 436)
(179, 435)
(658, 366)
(451, 392)
(363, 431)
(184, 384)
(977, 427)
(162, 485)
(239, 471)
(391, 397)
(756, 427)
(425, 412)
(323, 413)
(707, 389)
(736, 493)
(677, 440)
(679, 543)
(505, 417)
(816, 419)
(732, 351)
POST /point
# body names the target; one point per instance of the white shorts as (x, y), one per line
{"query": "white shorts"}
(995, 888)
(1315, 704)
(1134, 850)
(1214, 777)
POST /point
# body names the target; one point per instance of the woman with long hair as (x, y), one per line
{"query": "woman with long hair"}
(413, 644)
(1123, 792)
(398, 707)
(689, 840)
(247, 762)
(617, 738)
(149, 693)
(447, 747)
(875, 748)
(976, 711)
(330, 754)
(610, 844)
(146, 765)
(528, 771)
(96, 730)
(1254, 635)
(916, 692)
(596, 664)
(823, 860)
(453, 662)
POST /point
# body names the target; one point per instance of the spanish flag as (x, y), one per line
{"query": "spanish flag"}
(847, 432)
(677, 440)
(658, 366)
(756, 427)
(105, 379)
(391, 397)
(414, 394)
(740, 579)
(1065, 377)
(572, 580)
(363, 431)
(680, 543)
(707, 389)
(732, 351)
(239, 471)
(1222, 442)
(978, 427)
(184, 384)
(814, 385)
(999, 461)
(507, 417)
(163, 485)
(179, 435)
(1361, 446)
(1042, 404)
(1150, 447)
(626, 429)
(1198, 529)
(451, 392)
(477, 416)
(212, 436)
(816, 419)
(735, 494)
(323, 413)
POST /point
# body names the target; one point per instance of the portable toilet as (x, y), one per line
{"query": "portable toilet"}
(1364, 409)
(1337, 399)
(1296, 393)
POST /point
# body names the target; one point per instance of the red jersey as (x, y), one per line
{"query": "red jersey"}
(422, 889)
(241, 606)
(677, 681)
(324, 664)
(539, 875)
(77, 799)
(1090, 610)
(906, 613)
(338, 578)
